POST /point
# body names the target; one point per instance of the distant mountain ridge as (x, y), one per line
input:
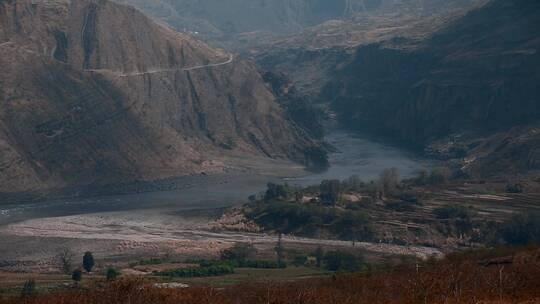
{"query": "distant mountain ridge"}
(236, 22)
(95, 93)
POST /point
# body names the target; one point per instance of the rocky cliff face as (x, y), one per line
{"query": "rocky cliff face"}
(94, 92)
(476, 77)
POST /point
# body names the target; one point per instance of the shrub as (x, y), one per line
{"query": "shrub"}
(276, 192)
(319, 256)
(389, 180)
(521, 229)
(400, 206)
(29, 288)
(300, 260)
(439, 176)
(514, 188)
(265, 264)
(238, 254)
(112, 274)
(152, 261)
(330, 191)
(341, 261)
(76, 275)
(353, 226)
(308, 219)
(216, 269)
(452, 212)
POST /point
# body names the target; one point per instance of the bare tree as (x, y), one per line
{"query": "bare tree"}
(388, 181)
(64, 259)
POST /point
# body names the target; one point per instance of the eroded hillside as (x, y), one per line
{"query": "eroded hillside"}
(94, 92)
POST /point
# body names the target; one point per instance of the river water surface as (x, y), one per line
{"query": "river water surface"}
(354, 156)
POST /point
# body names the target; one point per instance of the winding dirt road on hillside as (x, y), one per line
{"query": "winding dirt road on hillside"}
(155, 71)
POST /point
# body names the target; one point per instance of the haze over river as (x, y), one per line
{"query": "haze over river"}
(355, 155)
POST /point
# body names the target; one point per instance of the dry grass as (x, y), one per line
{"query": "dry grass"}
(468, 278)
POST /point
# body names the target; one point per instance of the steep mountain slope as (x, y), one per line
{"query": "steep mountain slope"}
(476, 77)
(95, 93)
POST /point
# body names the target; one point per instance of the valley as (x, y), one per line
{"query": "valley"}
(212, 152)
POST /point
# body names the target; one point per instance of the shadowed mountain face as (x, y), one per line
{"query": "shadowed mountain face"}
(474, 78)
(94, 92)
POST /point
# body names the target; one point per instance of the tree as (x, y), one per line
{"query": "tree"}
(239, 253)
(353, 183)
(76, 275)
(521, 229)
(29, 288)
(341, 261)
(64, 259)
(88, 261)
(280, 250)
(319, 255)
(112, 274)
(389, 180)
(300, 260)
(330, 191)
(276, 192)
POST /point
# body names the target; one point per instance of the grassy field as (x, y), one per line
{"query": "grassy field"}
(11, 283)
(487, 276)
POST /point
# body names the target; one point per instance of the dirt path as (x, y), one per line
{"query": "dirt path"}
(120, 74)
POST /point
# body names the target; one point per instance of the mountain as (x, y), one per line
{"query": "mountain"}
(469, 91)
(243, 23)
(95, 93)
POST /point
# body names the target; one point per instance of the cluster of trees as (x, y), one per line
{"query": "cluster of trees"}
(337, 260)
(65, 258)
(437, 176)
(241, 255)
(208, 270)
(457, 218)
(521, 229)
(310, 219)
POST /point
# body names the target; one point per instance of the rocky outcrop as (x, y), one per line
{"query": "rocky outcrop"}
(94, 93)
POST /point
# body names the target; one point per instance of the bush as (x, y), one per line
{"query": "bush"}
(152, 261)
(354, 226)
(76, 275)
(308, 219)
(330, 191)
(277, 192)
(112, 274)
(389, 180)
(400, 206)
(238, 254)
(439, 176)
(521, 229)
(342, 261)
(300, 260)
(514, 188)
(217, 269)
(452, 212)
(29, 288)
(265, 264)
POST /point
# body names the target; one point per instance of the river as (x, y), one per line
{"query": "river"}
(355, 156)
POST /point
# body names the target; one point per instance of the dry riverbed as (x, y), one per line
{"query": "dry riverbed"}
(31, 245)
